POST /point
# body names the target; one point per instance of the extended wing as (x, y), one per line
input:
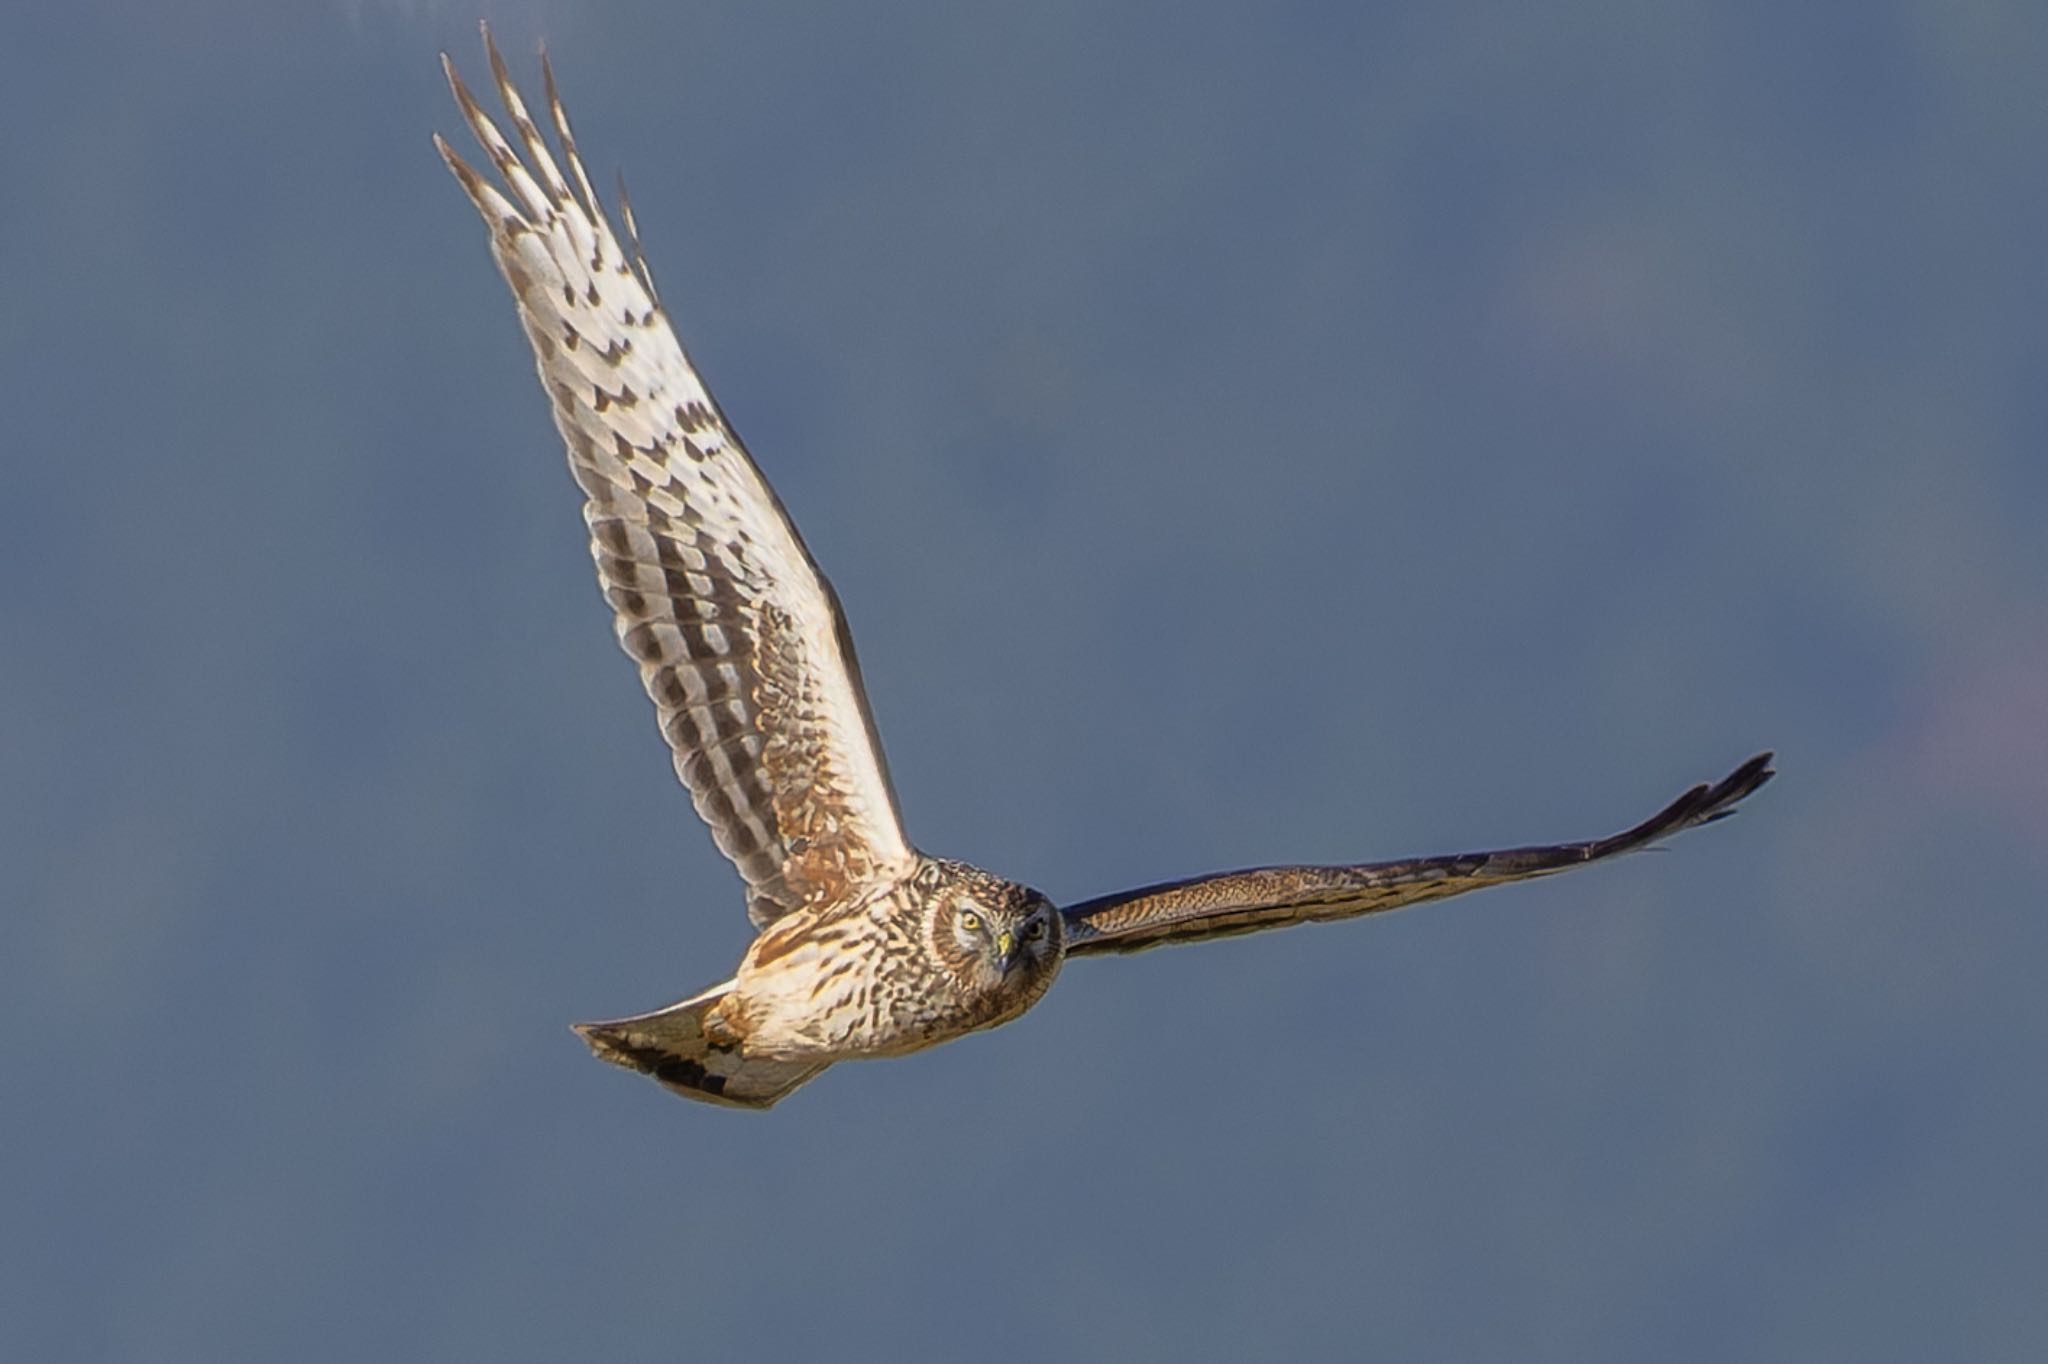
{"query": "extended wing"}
(1273, 897)
(739, 638)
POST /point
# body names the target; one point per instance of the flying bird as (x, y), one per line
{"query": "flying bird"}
(866, 946)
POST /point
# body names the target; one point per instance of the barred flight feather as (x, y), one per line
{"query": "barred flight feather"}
(1230, 903)
(738, 637)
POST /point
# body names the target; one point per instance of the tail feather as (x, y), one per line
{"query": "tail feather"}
(672, 1046)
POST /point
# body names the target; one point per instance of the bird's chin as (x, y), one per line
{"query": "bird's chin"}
(1027, 977)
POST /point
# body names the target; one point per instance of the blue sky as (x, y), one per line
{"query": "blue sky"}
(1239, 434)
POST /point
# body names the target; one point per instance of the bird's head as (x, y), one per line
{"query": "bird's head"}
(995, 935)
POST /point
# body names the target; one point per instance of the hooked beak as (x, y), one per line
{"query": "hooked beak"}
(1006, 951)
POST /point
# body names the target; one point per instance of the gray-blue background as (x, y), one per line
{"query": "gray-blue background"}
(1240, 433)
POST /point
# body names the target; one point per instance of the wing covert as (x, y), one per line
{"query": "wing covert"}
(739, 638)
(1274, 897)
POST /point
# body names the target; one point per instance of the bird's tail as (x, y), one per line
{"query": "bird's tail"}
(671, 1045)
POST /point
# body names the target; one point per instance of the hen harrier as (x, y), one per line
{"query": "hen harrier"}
(867, 947)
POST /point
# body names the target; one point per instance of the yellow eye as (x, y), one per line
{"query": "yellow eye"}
(970, 921)
(1035, 930)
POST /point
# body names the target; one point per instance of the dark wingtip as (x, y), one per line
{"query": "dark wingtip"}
(471, 110)
(1702, 804)
(1739, 785)
(499, 71)
(547, 79)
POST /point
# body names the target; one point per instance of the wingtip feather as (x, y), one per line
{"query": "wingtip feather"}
(559, 113)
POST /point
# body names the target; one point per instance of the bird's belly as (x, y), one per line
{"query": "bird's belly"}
(825, 1011)
(811, 1005)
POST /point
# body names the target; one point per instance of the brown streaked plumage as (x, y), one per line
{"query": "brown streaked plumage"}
(867, 947)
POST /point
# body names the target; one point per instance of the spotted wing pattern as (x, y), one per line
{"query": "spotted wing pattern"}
(1273, 897)
(740, 639)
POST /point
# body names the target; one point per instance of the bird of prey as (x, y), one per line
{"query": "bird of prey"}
(867, 946)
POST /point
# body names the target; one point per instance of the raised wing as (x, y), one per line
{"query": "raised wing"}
(739, 638)
(1273, 897)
